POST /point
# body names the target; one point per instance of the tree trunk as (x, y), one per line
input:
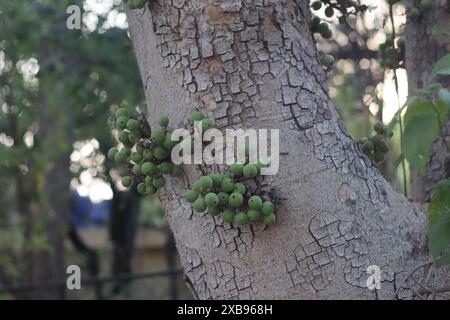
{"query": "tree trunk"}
(253, 63)
(423, 50)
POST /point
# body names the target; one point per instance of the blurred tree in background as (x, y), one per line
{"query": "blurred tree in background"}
(57, 86)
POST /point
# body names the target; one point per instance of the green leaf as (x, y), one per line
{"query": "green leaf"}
(425, 107)
(439, 238)
(440, 31)
(444, 95)
(432, 88)
(442, 67)
(440, 200)
(419, 133)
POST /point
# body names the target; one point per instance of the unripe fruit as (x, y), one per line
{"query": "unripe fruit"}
(206, 124)
(227, 185)
(165, 167)
(149, 189)
(324, 30)
(425, 4)
(196, 116)
(122, 112)
(255, 202)
(136, 157)
(121, 122)
(326, 59)
(158, 137)
(148, 180)
(211, 199)
(142, 188)
(239, 187)
(123, 137)
(414, 12)
(214, 210)
(259, 164)
(237, 169)
(235, 200)
(206, 182)
(269, 219)
(315, 22)
(378, 127)
(163, 121)
(240, 218)
(112, 153)
(176, 171)
(160, 153)
(127, 181)
(227, 215)
(168, 143)
(120, 157)
(191, 196)
(134, 136)
(329, 11)
(148, 168)
(367, 146)
(377, 141)
(136, 169)
(383, 147)
(316, 5)
(267, 207)
(147, 154)
(216, 179)
(126, 151)
(200, 205)
(132, 124)
(253, 215)
(197, 186)
(223, 198)
(159, 182)
(250, 171)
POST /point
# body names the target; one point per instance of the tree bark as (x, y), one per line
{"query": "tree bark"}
(423, 50)
(254, 64)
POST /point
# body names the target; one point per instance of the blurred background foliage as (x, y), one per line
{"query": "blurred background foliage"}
(61, 201)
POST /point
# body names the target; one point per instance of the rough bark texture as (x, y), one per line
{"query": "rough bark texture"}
(423, 50)
(253, 63)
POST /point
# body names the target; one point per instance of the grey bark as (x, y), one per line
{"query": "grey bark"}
(253, 63)
(423, 50)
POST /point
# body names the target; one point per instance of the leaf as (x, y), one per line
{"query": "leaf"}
(425, 107)
(440, 31)
(432, 88)
(444, 95)
(443, 260)
(442, 67)
(440, 200)
(439, 238)
(419, 133)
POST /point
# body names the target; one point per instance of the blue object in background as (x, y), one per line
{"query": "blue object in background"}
(86, 214)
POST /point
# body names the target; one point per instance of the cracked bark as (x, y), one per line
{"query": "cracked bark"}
(253, 63)
(422, 52)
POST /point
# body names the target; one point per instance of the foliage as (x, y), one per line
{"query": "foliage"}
(56, 87)
(439, 216)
